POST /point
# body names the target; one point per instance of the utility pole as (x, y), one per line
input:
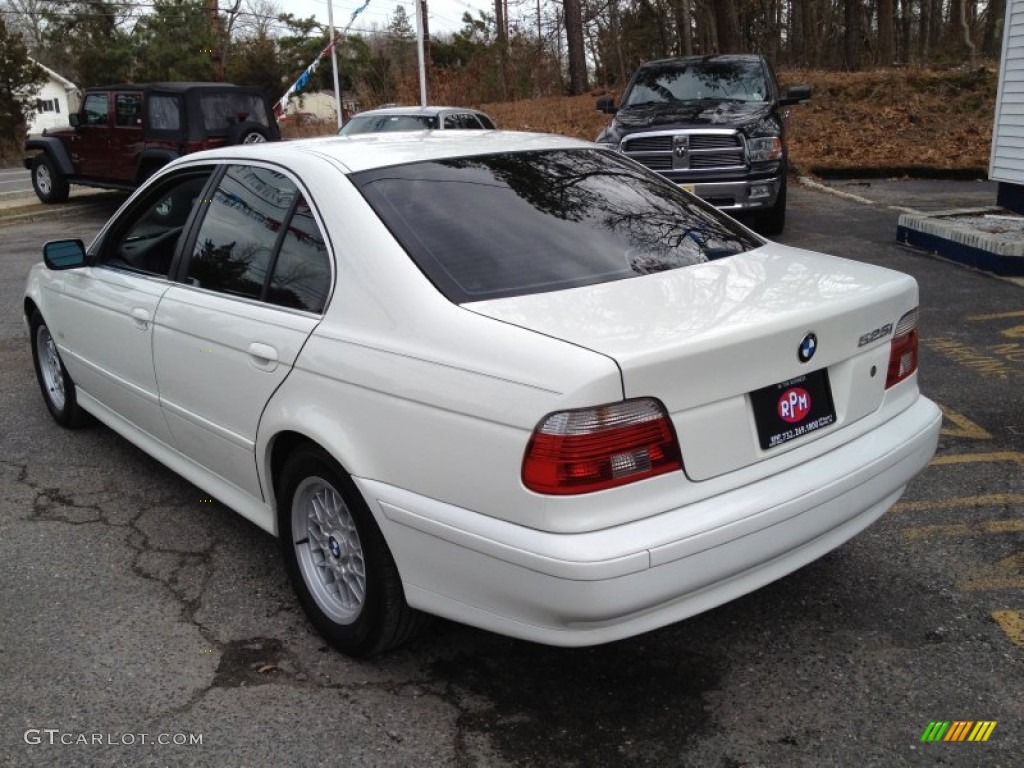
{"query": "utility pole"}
(215, 34)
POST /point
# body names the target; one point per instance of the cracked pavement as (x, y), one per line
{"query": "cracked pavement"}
(131, 604)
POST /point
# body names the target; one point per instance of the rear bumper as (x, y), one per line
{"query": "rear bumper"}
(600, 586)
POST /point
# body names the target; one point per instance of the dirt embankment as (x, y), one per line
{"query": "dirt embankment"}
(886, 122)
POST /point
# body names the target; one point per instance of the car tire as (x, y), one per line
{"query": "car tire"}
(247, 133)
(337, 560)
(773, 221)
(58, 389)
(50, 184)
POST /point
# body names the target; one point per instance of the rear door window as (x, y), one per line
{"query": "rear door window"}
(260, 240)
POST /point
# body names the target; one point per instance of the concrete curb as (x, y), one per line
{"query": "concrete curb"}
(950, 234)
(27, 210)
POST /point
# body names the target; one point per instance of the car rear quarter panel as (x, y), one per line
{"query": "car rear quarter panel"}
(403, 387)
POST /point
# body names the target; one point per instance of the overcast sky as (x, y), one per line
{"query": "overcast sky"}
(443, 15)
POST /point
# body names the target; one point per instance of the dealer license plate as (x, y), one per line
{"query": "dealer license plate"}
(793, 408)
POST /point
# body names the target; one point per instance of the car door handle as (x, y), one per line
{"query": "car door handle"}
(141, 317)
(263, 356)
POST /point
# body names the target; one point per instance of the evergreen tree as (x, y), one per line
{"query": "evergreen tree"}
(20, 80)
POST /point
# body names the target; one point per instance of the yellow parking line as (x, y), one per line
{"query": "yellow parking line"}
(997, 315)
(964, 529)
(1008, 573)
(964, 426)
(974, 458)
(990, 500)
(1012, 624)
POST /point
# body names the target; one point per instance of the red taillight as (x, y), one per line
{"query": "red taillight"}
(591, 449)
(903, 352)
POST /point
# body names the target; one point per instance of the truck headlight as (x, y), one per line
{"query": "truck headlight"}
(764, 149)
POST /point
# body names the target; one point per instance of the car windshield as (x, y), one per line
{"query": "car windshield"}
(710, 79)
(528, 222)
(382, 123)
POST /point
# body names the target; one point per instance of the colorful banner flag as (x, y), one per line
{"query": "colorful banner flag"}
(303, 80)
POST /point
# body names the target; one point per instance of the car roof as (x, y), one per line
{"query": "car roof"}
(175, 86)
(366, 151)
(716, 57)
(428, 110)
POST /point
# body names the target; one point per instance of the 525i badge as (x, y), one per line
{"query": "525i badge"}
(875, 335)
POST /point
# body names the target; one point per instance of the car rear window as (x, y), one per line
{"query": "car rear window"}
(387, 123)
(519, 223)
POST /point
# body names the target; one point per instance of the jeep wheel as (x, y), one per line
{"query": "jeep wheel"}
(247, 133)
(48, 182)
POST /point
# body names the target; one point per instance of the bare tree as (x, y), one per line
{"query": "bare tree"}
(575, 47)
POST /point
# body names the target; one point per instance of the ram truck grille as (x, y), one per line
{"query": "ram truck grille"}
(687, 150)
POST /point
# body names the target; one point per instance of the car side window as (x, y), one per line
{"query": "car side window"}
(302, 273)
(128, 109)
(94, 111)
(237, 239)
(461, 120)
(163, 112)
(485, 122)
(145, 239)
(259, 239)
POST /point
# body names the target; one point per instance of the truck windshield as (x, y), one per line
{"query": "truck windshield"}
(714, 79)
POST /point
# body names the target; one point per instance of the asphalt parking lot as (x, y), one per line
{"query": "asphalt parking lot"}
(134, 611)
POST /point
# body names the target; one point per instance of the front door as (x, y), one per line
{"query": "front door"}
(108, 310)
(90, 145)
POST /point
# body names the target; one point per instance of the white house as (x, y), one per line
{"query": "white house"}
(1006, 164)
(54, 102)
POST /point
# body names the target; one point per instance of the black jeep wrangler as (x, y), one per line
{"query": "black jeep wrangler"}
(715, 125)
(124, 133)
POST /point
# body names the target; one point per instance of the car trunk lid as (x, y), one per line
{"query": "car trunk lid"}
(704, 338)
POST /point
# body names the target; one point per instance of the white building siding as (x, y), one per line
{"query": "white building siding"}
(1007, 159)
(51, 108)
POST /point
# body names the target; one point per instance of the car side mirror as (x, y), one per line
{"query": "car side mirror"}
(75, 119)
(64, 254)
(796, 95)
(606, 104)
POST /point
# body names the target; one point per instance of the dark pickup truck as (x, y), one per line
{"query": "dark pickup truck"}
(124, 133)
(715, 125)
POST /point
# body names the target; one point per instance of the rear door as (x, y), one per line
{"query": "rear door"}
(126, 135)
(252, 289)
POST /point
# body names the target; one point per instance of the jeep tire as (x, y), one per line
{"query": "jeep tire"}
(50, 184)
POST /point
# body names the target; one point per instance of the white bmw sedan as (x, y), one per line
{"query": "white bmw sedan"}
(518, 381)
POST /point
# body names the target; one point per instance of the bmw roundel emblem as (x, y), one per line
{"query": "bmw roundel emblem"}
(807, 347)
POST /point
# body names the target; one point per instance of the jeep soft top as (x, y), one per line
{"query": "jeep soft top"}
(124, 133)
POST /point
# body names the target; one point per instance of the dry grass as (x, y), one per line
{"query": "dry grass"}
(888, 120)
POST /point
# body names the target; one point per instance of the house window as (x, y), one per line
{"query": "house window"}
(47, 105)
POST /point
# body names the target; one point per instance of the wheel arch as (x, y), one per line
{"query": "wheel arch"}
(54, 149)
(279, 447)
(29, 306)
(151, 161)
